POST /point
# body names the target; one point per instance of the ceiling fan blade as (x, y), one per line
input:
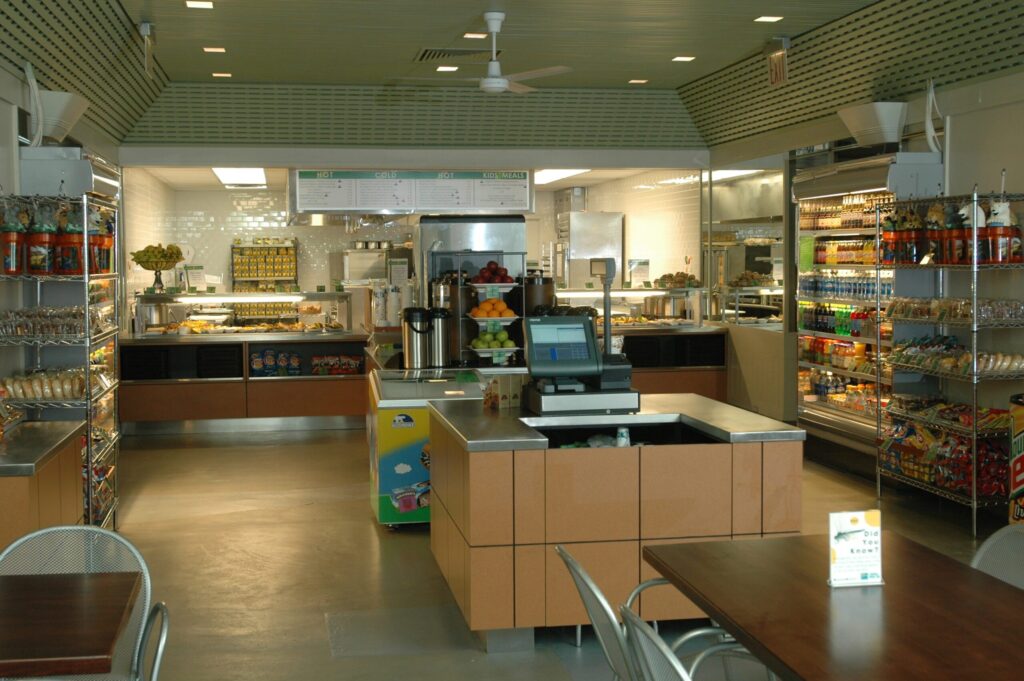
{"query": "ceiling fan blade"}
(519, 88)
(540, 73)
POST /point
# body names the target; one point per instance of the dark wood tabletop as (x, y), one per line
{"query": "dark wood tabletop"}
(54, 625)
(935, 618)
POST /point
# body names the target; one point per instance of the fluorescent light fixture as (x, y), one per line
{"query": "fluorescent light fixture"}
(198, 4)
(768, 19)
(719, 175)
(454, 392)
(447, 69)
(218, 74)
(624, 293)
(241, 298)
(638, 81)
(475, 36)
(214, 50)
(688, 179)
(550, 175)
(645, 186)
(683, 58)
(244, 177)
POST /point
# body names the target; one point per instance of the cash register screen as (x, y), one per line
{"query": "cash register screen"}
(561, 347)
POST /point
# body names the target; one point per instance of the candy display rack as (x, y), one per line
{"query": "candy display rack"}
(949, 264)
(93, 352)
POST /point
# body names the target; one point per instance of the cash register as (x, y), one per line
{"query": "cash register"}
(570, 375)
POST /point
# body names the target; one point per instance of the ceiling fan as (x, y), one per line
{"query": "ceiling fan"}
(494, 82)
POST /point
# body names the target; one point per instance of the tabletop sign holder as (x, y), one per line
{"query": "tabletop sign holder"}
(855, 548)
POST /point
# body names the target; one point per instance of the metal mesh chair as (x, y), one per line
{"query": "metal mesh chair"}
(654, 660)
(609, 633)
(1002, 555)
(84, 549)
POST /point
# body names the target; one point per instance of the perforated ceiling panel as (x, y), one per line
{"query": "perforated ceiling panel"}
(91, 48)
(414, 117)
(886, 51)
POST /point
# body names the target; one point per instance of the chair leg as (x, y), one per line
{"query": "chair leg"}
(579, 635)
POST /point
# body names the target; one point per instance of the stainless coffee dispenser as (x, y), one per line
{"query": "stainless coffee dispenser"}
(440, 334)
(415, 338)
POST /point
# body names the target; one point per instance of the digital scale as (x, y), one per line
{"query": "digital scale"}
(570, 375)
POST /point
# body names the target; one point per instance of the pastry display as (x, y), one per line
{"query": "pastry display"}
(945, 355)
(677, 280)
(749, 278)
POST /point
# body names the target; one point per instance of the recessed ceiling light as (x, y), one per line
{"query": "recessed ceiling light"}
(637, 81)
(683, 58)
(214, 50)
(216, 74)
(240, 177)
(447, 69)
(475, 36)
(550, 175)
(198, 4)
(768, 20)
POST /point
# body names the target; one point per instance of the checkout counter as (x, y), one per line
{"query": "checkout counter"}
(509, 484)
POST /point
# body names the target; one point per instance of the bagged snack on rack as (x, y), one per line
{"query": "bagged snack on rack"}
(283, 360)
(295, 365)
(269, 363)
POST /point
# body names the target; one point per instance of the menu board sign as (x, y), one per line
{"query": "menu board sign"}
(855, 548)
(374, 191)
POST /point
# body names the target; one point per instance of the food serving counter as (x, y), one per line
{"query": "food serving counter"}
(398, 436)
(666, 358)
(40, 477)
(202, 377)
(508, 486)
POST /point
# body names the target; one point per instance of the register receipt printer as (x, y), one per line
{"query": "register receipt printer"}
(570, 375)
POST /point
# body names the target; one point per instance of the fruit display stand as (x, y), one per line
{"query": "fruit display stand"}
(489, 332)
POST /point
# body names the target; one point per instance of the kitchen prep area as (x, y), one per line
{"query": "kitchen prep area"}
(500, 341)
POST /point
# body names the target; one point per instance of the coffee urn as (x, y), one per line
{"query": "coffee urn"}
(440, 332)
(539, 291)
(415, 338)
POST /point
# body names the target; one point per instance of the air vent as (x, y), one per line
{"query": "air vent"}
(457, 54)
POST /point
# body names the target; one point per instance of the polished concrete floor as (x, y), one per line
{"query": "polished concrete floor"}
(266, 552)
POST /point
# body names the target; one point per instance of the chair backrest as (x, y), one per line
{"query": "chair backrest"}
(602, 617)
(84, 549)
(654, 659)
(1002, 555)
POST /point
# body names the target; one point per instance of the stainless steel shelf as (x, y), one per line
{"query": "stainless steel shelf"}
(868, 340)
(64, 404)
(867, 420)
(983, 502)
(108, 519)
(106, 449)
(847, 266)
(955, 268)
(843, 372)
(58, 277)
(841, 301)
(947, 426)
(967, 378)
(995, 324)
(835, 232)
(67, 341)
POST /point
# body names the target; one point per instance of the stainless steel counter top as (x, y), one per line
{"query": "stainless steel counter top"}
(289, 337)
(24, 450)
(412, 389)
(480, 430)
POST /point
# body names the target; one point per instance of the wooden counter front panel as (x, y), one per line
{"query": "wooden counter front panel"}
(781, 486)
(489, 490)
(746, 488)
(440, 441)
(315, 397)
(528, 487)
(707, 382)
(614, 566)
(49, 493)
(592, 494)
(181, 401)
(685, 490)
(71, 486)
(19, 507)
(530, 585)
(490, 591)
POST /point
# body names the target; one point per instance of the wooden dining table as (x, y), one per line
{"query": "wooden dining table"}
(934, 618)
(63, 624)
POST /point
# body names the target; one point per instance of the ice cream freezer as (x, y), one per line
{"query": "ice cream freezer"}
(398, 435)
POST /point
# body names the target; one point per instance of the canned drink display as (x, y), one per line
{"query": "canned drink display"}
(1017, 460)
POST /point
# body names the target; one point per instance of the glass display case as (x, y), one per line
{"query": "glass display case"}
(158, 314)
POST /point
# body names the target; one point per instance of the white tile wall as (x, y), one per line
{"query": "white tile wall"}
(148, 205)
(662, 224)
